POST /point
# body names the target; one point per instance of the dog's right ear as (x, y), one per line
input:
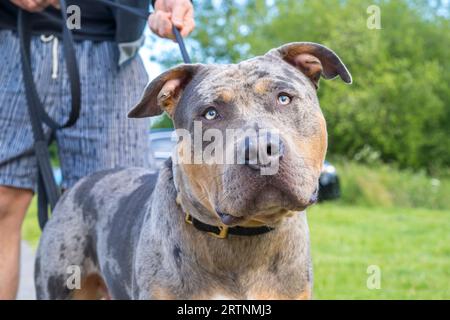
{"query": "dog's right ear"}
(164, 92)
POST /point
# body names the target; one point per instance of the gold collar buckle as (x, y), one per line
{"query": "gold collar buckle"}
(222, 234)
(188, 218)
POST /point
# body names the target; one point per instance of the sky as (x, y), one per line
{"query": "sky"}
(153, 68)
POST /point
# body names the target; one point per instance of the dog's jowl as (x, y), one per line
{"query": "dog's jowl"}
(204, 229)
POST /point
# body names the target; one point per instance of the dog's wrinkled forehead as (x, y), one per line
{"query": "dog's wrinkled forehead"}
(241, 85)
(251, 77)
(299, 64)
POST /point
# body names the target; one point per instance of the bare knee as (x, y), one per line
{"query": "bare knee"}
(14, 203)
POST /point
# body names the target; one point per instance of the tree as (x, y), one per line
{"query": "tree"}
(398, 107)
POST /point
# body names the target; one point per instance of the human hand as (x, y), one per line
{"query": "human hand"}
(35, 5)
(172, 12)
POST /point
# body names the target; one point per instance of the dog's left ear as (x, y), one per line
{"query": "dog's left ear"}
(314, 60)
(164, 92)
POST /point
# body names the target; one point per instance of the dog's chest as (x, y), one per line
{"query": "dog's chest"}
(255, 285)
(259, 287)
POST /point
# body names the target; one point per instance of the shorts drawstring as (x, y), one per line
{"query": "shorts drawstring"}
(55, 40)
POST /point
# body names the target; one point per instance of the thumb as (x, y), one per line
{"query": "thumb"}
(178, 15)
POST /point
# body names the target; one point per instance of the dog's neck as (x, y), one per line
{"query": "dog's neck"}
(235, 253)
(188, 203)
(192, 207)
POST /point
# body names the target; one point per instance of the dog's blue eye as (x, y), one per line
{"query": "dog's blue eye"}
(211, 114)
(284, 99)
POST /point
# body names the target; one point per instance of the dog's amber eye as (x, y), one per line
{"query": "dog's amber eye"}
(211, 114)
(284, 99)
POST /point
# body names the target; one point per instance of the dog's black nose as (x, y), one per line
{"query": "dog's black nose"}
(263, 151)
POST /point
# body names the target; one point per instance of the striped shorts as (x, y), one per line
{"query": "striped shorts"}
(102, 138)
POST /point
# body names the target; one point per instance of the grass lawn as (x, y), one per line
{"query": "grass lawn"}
(410, 246)
(30, 228)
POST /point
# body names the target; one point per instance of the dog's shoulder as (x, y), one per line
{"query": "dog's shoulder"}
(106, 190)
(116, 181)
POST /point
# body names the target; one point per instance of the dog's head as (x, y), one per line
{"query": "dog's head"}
(253, 135)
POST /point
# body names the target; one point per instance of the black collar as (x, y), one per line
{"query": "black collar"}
(223, 231)
(217, 231)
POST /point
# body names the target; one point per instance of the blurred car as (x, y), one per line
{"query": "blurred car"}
(329, 187)
(161, 144)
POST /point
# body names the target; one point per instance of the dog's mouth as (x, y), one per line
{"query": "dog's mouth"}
(268, 208)
(270, 217)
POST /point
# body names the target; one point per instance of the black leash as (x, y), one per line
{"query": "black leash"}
(47, 188)
(144, 15)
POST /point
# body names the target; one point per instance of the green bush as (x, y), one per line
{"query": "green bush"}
(161, 122)
(385, 186)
